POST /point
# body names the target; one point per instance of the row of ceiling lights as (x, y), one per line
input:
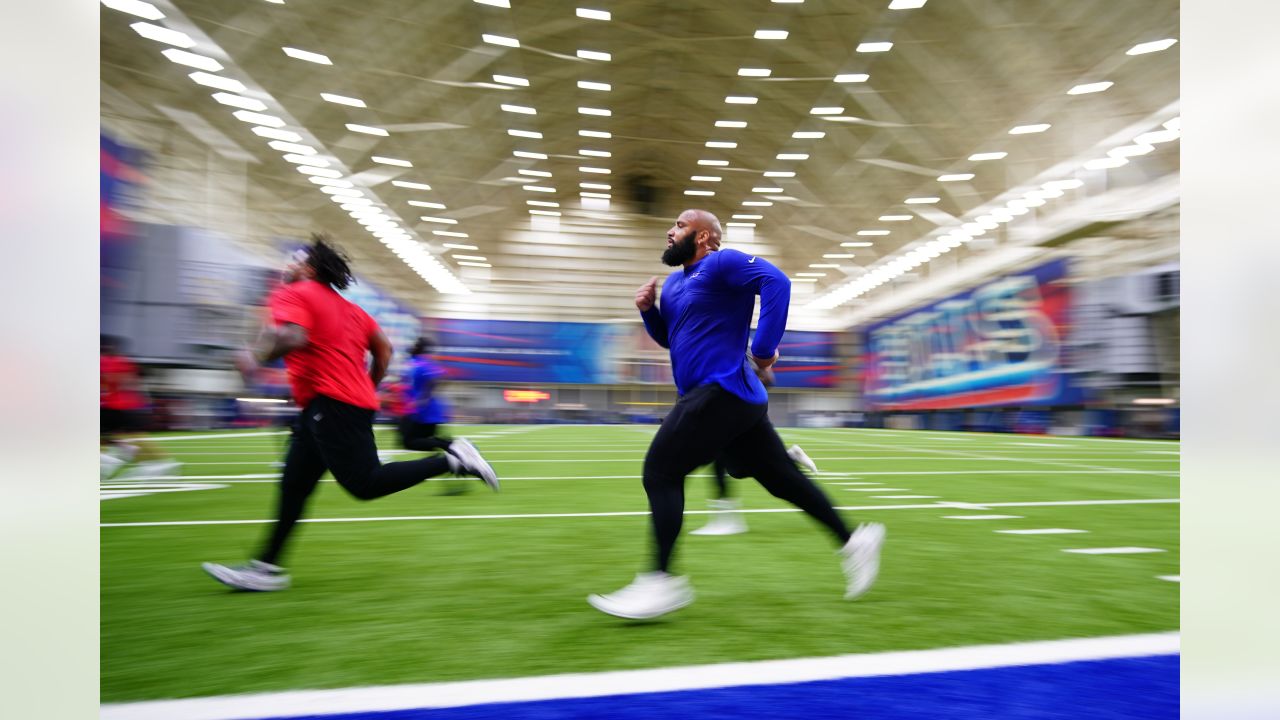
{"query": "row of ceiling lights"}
(385, 227)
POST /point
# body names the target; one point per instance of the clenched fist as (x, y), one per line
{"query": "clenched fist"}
(647, 294)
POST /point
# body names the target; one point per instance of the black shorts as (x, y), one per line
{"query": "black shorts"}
(115, 422)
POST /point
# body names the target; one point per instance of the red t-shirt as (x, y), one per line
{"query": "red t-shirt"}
(332, 363)
(116, 382)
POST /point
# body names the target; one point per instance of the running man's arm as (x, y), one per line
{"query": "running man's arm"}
(380, 346)
(647, 304)
(774, 288)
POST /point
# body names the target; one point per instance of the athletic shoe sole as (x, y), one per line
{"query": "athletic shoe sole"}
(473, 462)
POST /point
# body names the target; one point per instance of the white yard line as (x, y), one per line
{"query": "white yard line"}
(982, 517)
(619, 682)
(1041, 531)
(1113, 550)
(515, 516)
(1170, 578)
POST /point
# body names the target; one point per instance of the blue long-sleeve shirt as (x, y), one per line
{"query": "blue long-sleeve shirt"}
(704, 318)
(426, 407)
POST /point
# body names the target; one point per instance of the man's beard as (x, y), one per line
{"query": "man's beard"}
(681, 251)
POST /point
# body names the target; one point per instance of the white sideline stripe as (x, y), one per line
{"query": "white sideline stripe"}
(982, 517)
(170, 438)
(625, 682)
(1042, 531)
(629, 513)
(853, 483)
(1170, 578)
(905, 497)
(878, 489)
(1114, 550)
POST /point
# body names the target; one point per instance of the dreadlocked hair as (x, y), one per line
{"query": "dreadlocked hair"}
(330, 262)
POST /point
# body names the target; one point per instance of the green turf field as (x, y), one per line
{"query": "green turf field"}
(414, 590)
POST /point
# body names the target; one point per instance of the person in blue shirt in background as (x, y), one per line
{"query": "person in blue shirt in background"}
(704, 320)
(426, 411)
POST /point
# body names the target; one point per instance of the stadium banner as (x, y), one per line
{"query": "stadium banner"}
(808, 360)
(522, 351)
(998, 344)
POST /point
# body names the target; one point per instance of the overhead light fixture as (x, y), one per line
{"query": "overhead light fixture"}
(957, 177)
(163, 34)
(439, 220)
(826, 111)
(703, 193)
(428, 205)
(779, 174)
(1130, 150)
(344, 192)
(792, 156)
(511, 80)
(741, 100)
(1150, 47)
(748, 217)
(856, 244)
(538, 188)
(307, 55)
(587, 85)
(1088, 88)
(594, 14)
(705, 178)
(873, 232)
(391, 161)
(730, 124)
(874, 47)
(808, 135)
(1034, 202)
(240, 102)
(907, 4)
(852, 78)
(306, 160)
(523, 110)
(473, 258)
(500, 40)
(979, 157)
(200, 62)
(838, 256)
(595, 134)
(597, 195)
(217, 81)
(595, 170)
(1174, 124)
(367, 129)
(921, 200)
(254, 118)
(525, 134)
(895, 218)
(600, 112)
(713, 163)
(594, 55)
(330, 182)
(1030, 129)
(411, 185)
(595, 153)
(534, 173)
(496, 3)
(771, 35)
(318, 171)
(1157, 137)
(1063, 184)
(754, 72)
(277, 134)
(721, 144)
(529, 155)
(485, 265)
(594, 186)
(144, 10)
(766, 190)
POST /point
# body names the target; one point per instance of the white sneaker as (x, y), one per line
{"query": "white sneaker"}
(472, 463)
(648, 596)
(152, 470)
(110, 464)
(802, 458)
(256, 576)
(862, 558)
(725, 521)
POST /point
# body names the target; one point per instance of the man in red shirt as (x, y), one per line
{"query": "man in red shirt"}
(323, 339)
(123, 418)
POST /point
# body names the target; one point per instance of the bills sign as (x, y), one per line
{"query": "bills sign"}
(998, 344)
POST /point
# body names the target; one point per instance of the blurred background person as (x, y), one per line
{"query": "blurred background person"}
(124, 418)
(424, 411)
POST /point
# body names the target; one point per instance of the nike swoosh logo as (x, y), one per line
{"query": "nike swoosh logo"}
(751, 261)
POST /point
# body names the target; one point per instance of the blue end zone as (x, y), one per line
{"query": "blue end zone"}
(1145, 688)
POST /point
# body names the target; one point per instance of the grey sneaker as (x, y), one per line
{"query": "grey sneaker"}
(862, 559)
(471, 462)
(726, 520)
(254, 576)
(800, 457)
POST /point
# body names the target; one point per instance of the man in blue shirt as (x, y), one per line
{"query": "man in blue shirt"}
(704, 319)
(426, 411)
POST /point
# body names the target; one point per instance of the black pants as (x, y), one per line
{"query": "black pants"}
(422, 436)
(330, 435)
(711, 423)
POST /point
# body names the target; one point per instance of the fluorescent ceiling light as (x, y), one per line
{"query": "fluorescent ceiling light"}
(757, 203)
(588, 85)
(754, 72)
(874, 47)
(411, 185)
(1063, 184)
(428, 205)
(331, 182)
(703, 193)
(305, 160)
(542, 203)
(714, 163)
(594, 14)
(748, 217)
(511, 80)
(321, 172)
(907, 4)
(525, 134)
(367, 129)
(779, 174)
(957, 177)
(595, 153)
(979, 157)
(240, 102)
(276, 134)
(342, 100)
(1089, 88)
(730, 124)
(771, 34)
(808, 135)
(895, 218)
(1150, 47)
(307, 55)
(144, 10)
(529, 155)
(217, 81)
(258, 118)
(485, 265)
(1029, 129)
(163, 34)
(766, 190)
(705, 178)
(601, 112)
(344, 192)
(496, 3)
(826, 111)
(595, 186)
(539, 188)
(856, 244)
(838, 256)
(792, 156)
(200, 62)
(1130, 150)
(595, 170)
(741, 100)
(873, 232)
(1157, 137)
(852, 78)
(595, 134)
(523, 110)
(534, 173)
(1034, 202)
(1174, 124)
(391, 161)
(473, 258)
(721, 144)
(439, 220)
(740, 224)
(594, 55)
(500, 40)
(921, 200)
(601, 196)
